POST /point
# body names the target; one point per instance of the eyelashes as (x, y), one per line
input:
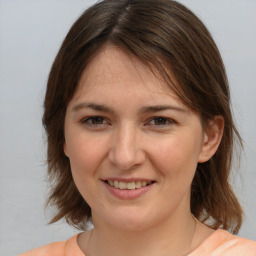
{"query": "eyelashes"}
(161, 121)
(100, 122)
(95, 121)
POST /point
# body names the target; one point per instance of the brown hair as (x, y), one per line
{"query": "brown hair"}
(170, 39)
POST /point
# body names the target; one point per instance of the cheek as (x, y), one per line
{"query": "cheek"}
(176, 157)
(85, 154)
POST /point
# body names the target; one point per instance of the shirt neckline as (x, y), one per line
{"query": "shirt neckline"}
(73, 248)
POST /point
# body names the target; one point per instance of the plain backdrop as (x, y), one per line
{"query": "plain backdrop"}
(31, 32)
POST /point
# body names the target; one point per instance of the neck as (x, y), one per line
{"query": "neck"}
(173, 237)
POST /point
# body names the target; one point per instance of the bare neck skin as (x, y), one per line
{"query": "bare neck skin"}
(177, 236)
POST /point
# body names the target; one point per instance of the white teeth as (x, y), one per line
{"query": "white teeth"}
(143, 183)
(138, 184)
(122, 185)
(128, 185)
(131, 185)
(116, 184)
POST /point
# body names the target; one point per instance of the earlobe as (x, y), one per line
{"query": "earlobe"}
(65, 149)
(212, 139)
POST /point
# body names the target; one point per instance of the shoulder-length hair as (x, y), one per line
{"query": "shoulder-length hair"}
(172, 41)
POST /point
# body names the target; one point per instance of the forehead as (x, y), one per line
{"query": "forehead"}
(111, 69)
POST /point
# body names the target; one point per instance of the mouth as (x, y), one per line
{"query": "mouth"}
(128, 185)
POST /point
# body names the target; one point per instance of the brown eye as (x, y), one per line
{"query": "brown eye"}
(160, 121)
(95, 120)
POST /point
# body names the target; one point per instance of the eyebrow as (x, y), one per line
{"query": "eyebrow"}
(97, 107)
(143, 110)
(158, 108)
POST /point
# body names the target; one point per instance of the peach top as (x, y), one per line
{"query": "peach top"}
(220, 243)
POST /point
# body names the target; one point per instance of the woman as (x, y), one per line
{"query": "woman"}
(140, 135)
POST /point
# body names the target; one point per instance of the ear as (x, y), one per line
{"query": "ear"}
(65, 149)
(212, 138)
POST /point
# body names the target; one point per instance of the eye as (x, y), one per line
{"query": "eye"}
(95, 121)
(160, 121)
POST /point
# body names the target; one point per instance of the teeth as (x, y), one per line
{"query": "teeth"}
(137, 184)
(122, 185)
(131, 185)
(116, 184)
(128, 185)
(143, 183)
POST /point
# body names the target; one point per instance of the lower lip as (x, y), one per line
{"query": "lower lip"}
(128, 193)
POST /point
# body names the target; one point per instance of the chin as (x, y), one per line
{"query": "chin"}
(132, 220)
(131, 225)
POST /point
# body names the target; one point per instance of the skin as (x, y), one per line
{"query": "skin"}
(123, 123)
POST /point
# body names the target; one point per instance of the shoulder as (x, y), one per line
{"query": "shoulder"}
(57, 248)
(238, 246)
(67, 248)
(222, 243)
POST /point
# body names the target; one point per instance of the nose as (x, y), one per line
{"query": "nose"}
(126, 151)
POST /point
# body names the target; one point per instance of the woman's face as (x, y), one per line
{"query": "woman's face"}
(133, 146)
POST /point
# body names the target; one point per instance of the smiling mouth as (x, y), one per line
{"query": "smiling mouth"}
(128, 185)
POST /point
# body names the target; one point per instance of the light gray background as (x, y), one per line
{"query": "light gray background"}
(30, 34)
